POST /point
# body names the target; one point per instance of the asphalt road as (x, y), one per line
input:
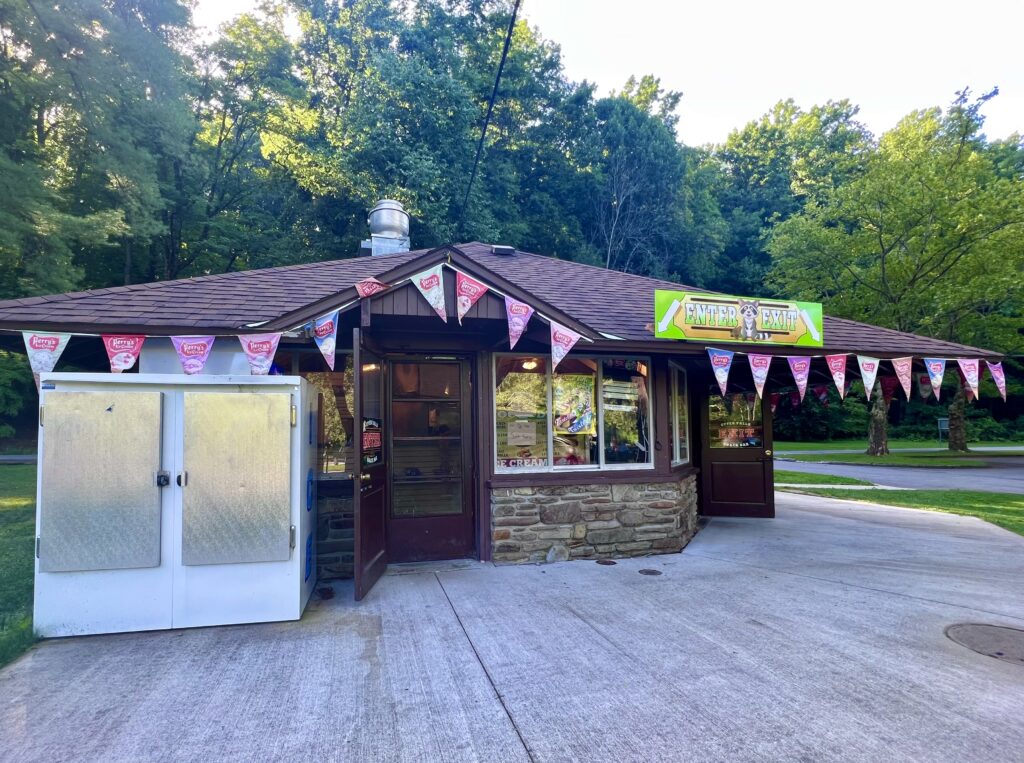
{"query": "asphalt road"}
(818, 635)
(1003, 475)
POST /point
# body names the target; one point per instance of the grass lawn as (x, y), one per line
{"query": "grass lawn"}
(17, 545)
(802, 478)
(1003, 509)
(894, 444)
(933, 459)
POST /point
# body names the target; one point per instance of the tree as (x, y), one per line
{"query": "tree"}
(927, 239)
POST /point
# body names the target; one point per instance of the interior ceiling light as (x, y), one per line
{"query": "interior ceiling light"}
(529, 365)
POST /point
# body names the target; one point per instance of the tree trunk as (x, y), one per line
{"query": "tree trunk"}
(957, 439)
(878, 426)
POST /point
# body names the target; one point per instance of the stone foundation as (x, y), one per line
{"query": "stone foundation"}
(546, 524)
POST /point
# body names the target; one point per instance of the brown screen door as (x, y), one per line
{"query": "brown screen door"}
(431, 513)
(737, 450)
(370, 473)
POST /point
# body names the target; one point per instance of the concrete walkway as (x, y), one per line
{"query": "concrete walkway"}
(1002, 475)
(815, 636)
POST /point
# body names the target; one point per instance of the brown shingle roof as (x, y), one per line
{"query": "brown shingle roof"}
(609, 302)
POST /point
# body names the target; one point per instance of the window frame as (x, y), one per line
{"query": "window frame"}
(675, 370)
(552, 468)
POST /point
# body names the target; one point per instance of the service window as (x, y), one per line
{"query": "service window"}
(590, 413)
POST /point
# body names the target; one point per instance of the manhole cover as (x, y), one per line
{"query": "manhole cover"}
(650, 572)
(606, 561)
(997, 641)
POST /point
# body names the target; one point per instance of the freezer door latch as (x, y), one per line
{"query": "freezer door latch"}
(291, 537)
(163, 479)
(37, 547)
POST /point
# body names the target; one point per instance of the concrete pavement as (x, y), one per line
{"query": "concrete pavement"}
(1002, 475)
(817, 635)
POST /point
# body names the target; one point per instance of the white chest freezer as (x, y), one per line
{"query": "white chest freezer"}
(168, 501)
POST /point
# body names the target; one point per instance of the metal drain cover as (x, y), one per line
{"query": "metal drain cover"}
(606, 561)
(650, 572)
(997, 641)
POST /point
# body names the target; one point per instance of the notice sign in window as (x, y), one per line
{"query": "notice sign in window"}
(723, 318)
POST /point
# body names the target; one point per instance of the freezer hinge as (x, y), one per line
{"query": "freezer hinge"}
(41, 408)
(295, 415)
(291, 537)
(37, 547)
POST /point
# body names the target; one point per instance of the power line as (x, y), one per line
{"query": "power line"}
(487, 117)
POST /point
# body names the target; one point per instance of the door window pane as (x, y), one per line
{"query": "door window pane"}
(425, 380)
(521, 412)
(680, 422)
(734, 421)
(336, 446)
(626, 405)
(574, 404)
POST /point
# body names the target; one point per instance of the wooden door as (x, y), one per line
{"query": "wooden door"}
(430, 454)
(369, 496)
(737, 476)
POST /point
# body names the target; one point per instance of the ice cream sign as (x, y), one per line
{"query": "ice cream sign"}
(724, 318)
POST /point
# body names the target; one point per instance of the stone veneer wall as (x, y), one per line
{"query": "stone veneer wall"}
(537, 524)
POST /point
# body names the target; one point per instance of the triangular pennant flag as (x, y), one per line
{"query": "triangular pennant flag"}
(904, 373)
(936, 368)
(467, 292)
(759, 366)
(259, 349)
(562, 340)
(889, 385)
(801, 368)
(970, 371)
(43, 351)
(431, 285)
(325, 334)
(518, 315)
(998, 376)
(721, 362)
(924, 386)
(369, 286)
(795, 398)
(821, 392)
(773, 399)
(193, 352)
(122, 350)
(868, 372)
(837, 365)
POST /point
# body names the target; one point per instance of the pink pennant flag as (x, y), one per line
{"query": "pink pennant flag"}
(759, 366)
(889, 385)
(924, 386)
(259, 349)
(801, 368)
(868, 372)
(122, 350)
(821, 392)
(837, 365)
(936, 368)
(193, 352)
(43, 351)
(904, 372)
(431, 285)
(467, 292)
(721, 362)
(969, 369)
(998, 376)
(518, 315)
(562, 340)
(325, 334)
(773, 399)
(369, 286)
(795, 398)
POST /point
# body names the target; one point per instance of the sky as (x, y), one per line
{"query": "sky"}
(734, 59)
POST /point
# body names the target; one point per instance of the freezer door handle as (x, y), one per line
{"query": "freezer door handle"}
(182, 479)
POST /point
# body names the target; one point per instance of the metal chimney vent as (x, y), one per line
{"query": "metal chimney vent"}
(389, 229)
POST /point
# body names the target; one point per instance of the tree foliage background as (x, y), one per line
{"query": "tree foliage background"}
(130, 151)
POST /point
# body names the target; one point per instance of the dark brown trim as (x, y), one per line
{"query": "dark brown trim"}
(595, 477)
(484, 458)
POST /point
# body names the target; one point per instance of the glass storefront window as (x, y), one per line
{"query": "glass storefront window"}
(734, 421)
(625, 411)
(590, 412)
(521, 412)
(574, 403)
(680, 417)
